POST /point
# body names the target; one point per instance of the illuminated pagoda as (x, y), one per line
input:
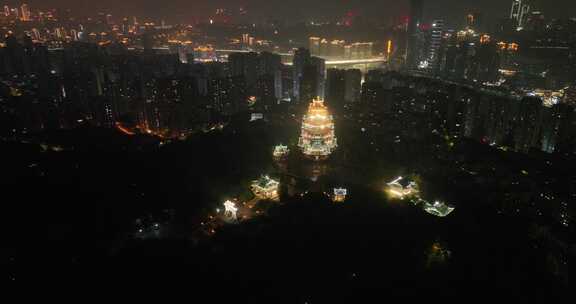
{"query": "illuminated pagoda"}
(438, 209)
(281, 151)
(317, 140)
(265, 188)
(402, 188)
(339, 195)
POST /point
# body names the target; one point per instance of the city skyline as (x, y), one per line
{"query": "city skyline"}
(182, 11)
(377, 147)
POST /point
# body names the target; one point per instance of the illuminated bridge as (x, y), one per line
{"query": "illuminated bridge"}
(364, 64)
(329, 62)
(353, 61)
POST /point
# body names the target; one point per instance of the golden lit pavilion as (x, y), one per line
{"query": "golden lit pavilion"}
(317, 139)
(265, 187)
(281, 151)
(437, 208)
(401, 188)
(339, 195)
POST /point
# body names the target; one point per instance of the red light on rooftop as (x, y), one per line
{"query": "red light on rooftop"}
(425, 27)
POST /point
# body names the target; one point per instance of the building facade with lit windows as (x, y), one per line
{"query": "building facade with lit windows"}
(414, 33)
(317, 139)
(435, 44)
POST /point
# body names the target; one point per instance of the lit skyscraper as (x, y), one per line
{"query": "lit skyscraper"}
(353, 85)
(301, 59)
(311, 81)
(36, 34)
(245, 65)
(520, 12)
(25, 16)
(414, 35)
(336, 88)
(435, 42)
(261, 72)
(474, 21)
(309, 74)
(269, 65)
(319, 68)
(314, 45)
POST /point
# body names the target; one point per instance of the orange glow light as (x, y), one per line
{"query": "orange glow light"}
(124, 130)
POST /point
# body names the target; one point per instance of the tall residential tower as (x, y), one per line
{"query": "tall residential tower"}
(433, 56)
(520, 12)
(414, 40)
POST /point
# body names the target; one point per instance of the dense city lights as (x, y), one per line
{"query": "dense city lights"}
(290, 151)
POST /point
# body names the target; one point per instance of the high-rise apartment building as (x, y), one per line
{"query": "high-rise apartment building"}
(436, 32)
(414, 34)
(520, 12)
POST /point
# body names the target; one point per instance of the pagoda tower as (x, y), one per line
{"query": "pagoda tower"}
(317, 139)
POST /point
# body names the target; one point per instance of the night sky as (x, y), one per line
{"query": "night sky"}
(182, 9)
